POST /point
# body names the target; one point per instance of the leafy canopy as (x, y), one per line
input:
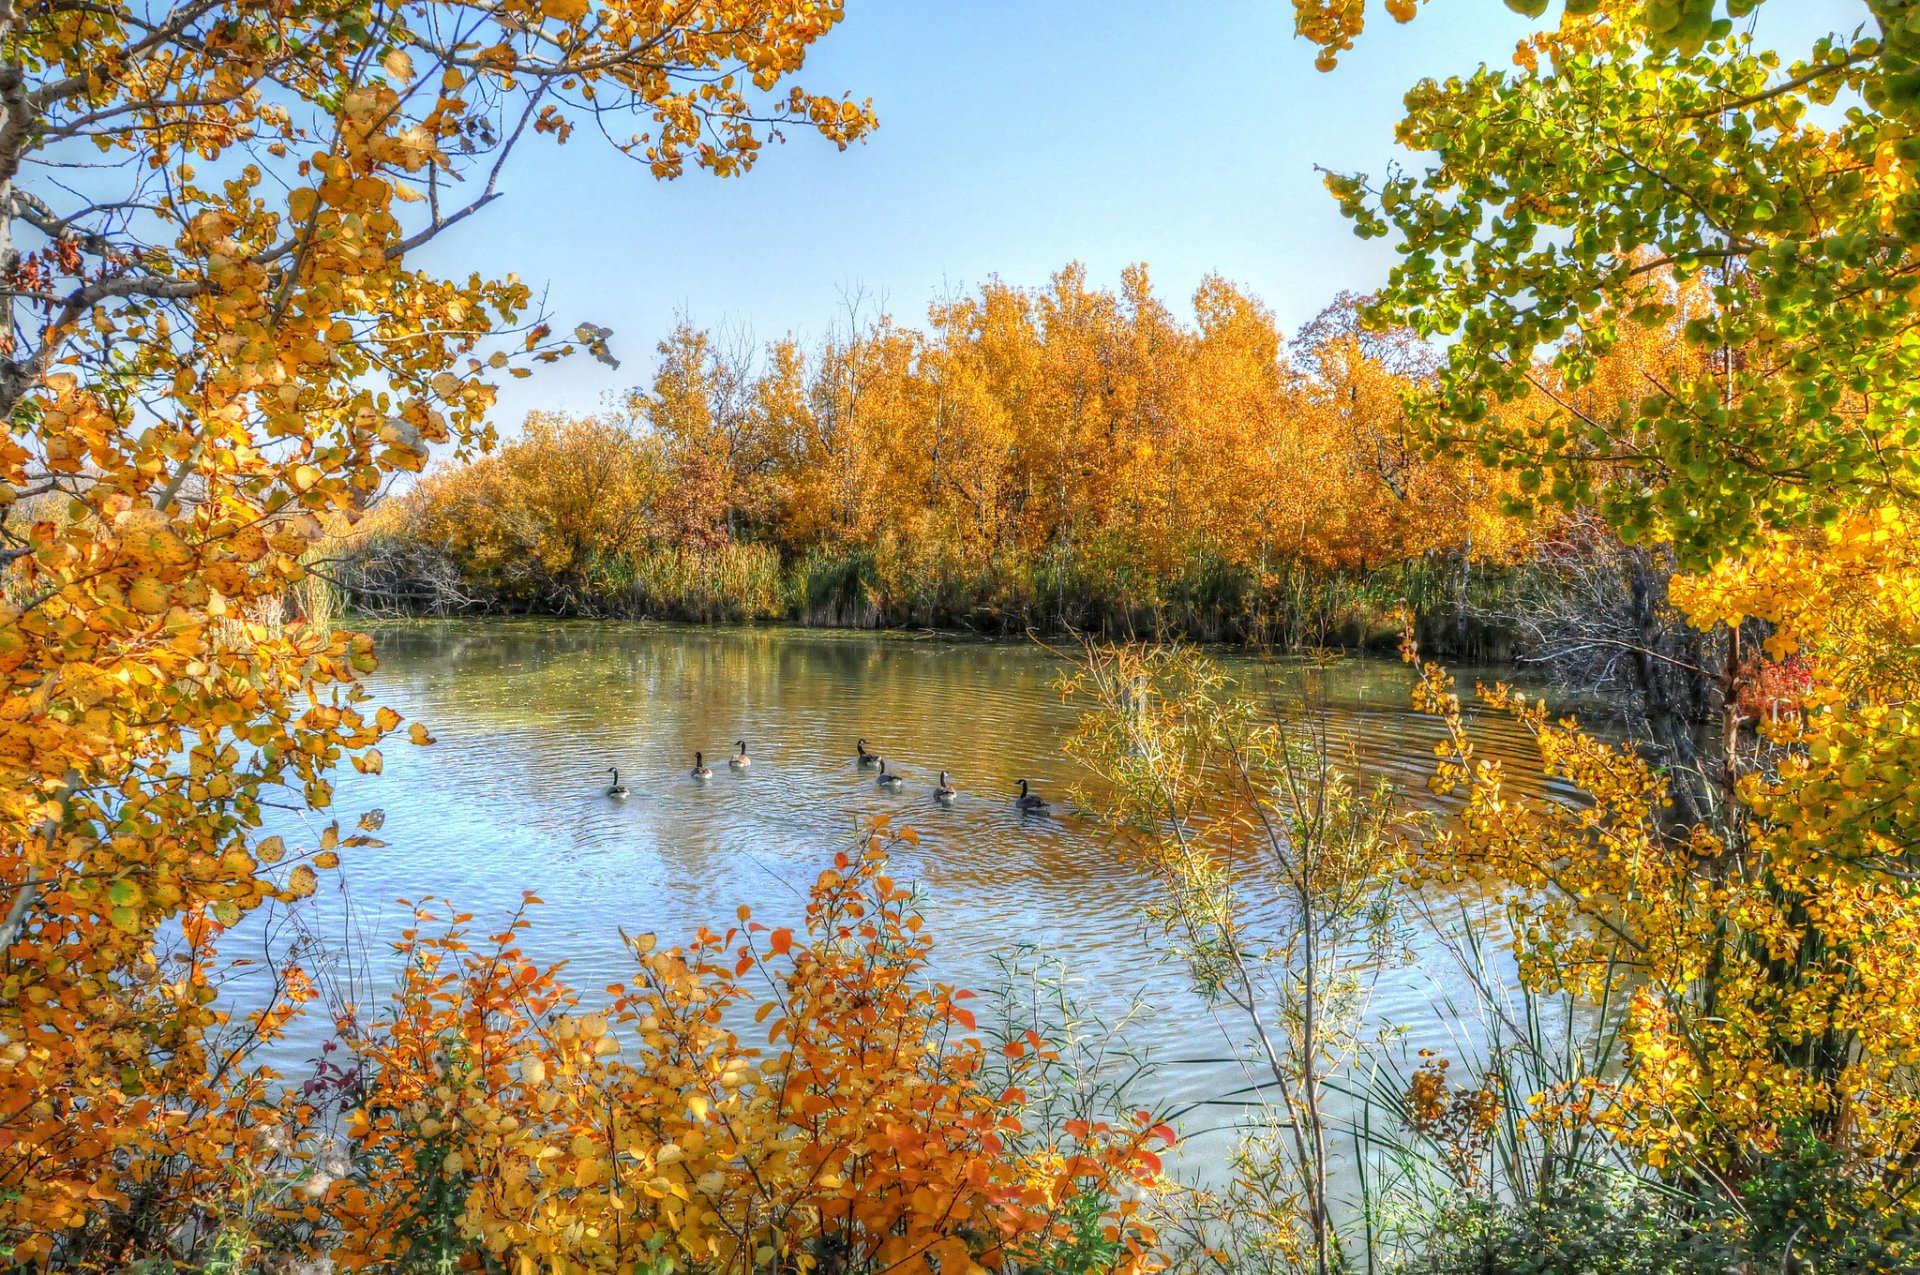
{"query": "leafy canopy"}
(1637, 142)
(1650, 165)
(218, 341)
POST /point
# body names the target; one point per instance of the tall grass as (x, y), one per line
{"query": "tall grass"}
(732, 583)
(315, 597)
(839, 590)
(1506, 1118)
(926, 582)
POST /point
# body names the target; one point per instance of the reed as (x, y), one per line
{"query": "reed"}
(1507, 1119)
(923, 581)
(732, 583)
(839, 590)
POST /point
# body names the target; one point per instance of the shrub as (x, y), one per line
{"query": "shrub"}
(502, 1124)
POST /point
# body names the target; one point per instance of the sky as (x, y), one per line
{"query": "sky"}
(1015, 136)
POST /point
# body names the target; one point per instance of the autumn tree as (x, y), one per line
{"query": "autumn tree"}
(218, 336)
(969, 433)
(1772, 455)
(705, 413)
(543, 514)
(1666, 139)
(1066, 454)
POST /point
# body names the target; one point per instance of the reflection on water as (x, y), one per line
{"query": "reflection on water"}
(529, 716)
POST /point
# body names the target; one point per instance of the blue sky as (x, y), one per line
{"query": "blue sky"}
(1014, 137)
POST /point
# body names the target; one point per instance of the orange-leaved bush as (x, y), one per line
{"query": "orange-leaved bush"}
(501, 1123)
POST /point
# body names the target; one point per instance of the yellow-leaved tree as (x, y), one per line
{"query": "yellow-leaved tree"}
(218, 342)
(1755, 880)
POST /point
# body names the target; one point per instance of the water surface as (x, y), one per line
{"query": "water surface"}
(530, 715)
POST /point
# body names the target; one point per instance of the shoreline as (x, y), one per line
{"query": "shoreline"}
(1381, 643)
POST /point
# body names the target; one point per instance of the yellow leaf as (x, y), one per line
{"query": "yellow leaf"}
(148, 595)
(301, 882)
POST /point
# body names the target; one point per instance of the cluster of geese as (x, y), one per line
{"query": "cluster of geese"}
(1029, 803)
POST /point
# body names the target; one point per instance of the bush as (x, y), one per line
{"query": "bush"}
(1607, 1226)
(1807, 1212)
(492, 1122)
(500, 1125)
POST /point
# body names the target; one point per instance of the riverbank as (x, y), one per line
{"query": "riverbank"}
(1067, 458)
(1456, 604)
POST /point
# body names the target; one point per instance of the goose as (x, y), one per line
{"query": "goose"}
(619, 789)
(888, 781)
(700, 768)
(1030, 803)
(740, 760)
(866, 758)
(945, 793)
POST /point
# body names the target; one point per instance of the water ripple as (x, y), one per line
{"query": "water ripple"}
(530, 716)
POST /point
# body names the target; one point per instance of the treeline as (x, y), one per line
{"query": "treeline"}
(1032, 457)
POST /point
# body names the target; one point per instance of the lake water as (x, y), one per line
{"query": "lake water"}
(529, 716)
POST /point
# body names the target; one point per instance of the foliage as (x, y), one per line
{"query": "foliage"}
(219, 344)
(1804, 1212)
(1673, 272)
(540, 514)
(1603, 1226)
(1442, 1144)
(1060, 456)
(871, 1135)
(1647, 168)
(492, 1120)
(571, 516)
(1276, 875)
(1635, 139)
(1770, 992)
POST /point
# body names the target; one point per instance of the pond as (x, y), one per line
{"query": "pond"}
(530, 715)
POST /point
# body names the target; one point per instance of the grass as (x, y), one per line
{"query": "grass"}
(734, 583)
(903, 583)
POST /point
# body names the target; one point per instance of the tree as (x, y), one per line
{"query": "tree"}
(1068, 454)
(1774, 459)
(218, 335)
(703, 411)
(1638, 140)
(543, 514)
